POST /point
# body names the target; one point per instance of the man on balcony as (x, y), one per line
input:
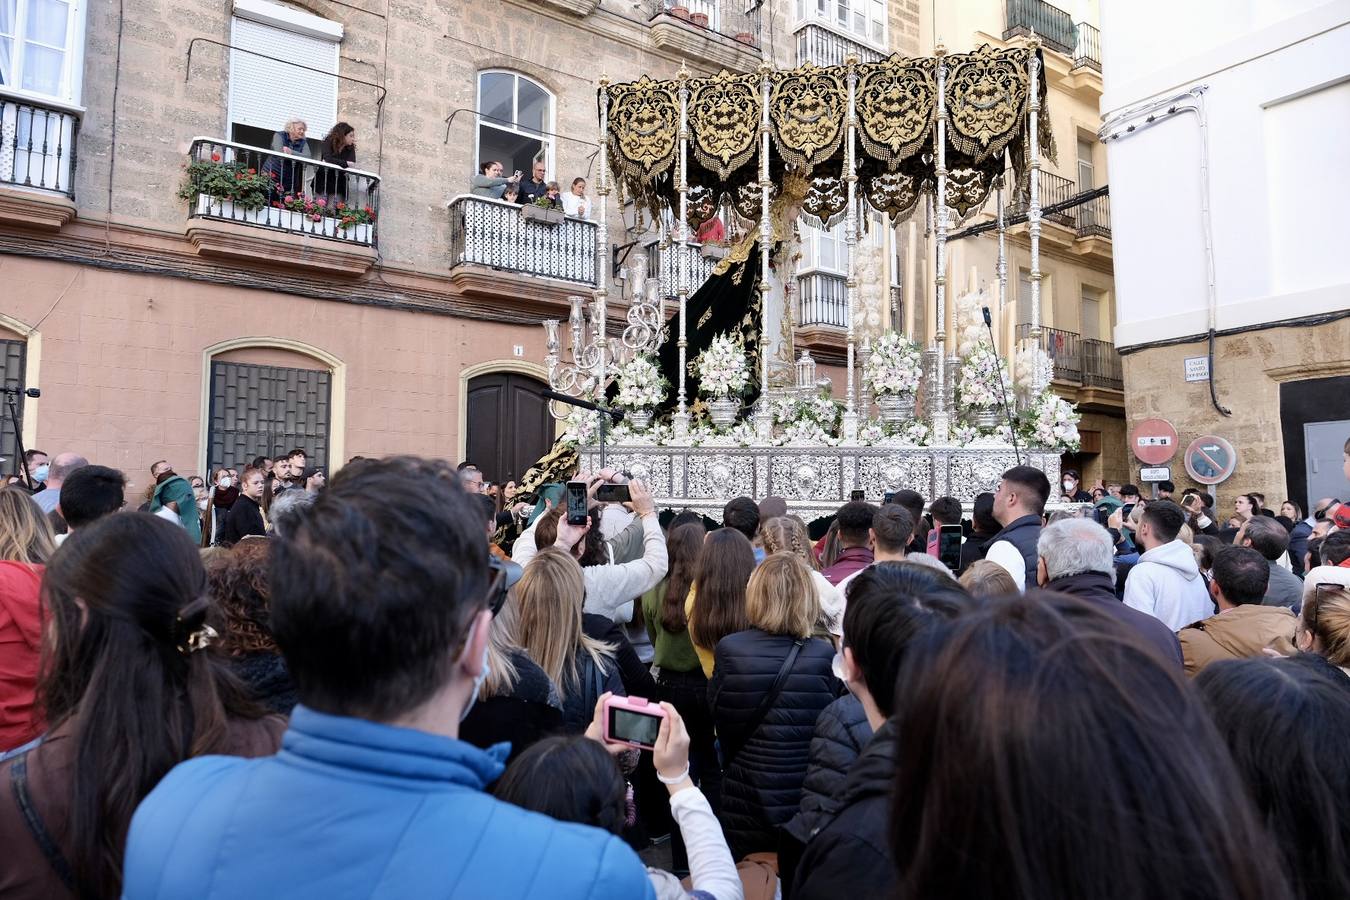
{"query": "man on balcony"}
(536, 186)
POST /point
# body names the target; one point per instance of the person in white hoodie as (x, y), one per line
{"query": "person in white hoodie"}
(1166, 581)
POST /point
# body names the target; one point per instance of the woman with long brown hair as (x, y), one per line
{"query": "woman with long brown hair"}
(130, 692)
(548, 598)
(26, 543)
(716, 604)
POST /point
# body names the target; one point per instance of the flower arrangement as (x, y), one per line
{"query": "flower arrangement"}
(1051, 422)
(894, 367)
(917, 434)
(242, 185)
(721, 368)
(315, 208)
(977, 384)
(641, 384)
(741, 434)
(805, 420)
(962, 434)
(1030, 364)
(583, 426)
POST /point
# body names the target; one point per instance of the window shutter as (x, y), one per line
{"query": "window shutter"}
(266, 93)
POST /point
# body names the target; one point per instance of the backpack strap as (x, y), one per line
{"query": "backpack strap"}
(766, 703)
(18, 779)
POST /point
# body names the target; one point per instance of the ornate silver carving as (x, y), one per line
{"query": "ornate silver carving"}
(805, 477)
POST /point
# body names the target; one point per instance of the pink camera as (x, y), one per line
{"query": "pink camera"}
(633, 721)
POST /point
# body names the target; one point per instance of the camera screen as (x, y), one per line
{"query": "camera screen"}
(637, 728)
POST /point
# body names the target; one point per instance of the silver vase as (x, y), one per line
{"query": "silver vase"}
(640, 419)
(723, 411)
(985, 417)
(896, 409)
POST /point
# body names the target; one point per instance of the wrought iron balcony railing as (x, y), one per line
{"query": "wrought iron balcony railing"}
(822, 299)
(1064, 349)
(37, 144)
(730, 18)
(505, 236)
(823, 47)
(1052, 25)
(1088, 49)
(663, 265)
(281, 192)
(1094, 218)
(1101, 365)
(1053, 189)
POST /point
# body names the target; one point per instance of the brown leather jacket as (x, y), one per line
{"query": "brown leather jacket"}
(1237, 633)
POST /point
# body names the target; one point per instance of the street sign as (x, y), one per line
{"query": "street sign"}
(1154, 441)
(1210, 459)
(1149, 474)
(1197, 368)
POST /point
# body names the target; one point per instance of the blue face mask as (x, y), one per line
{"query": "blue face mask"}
(40, 473)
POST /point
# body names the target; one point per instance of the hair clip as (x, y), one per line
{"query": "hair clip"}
(199, 639)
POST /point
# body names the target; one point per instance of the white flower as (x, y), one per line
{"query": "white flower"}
(1050, 422)
(982, 372)
(962, 434)
(640, 383)
(894, 367)
(1031, 362)
(722, 368)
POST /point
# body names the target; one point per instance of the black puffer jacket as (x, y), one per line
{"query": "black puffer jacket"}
(762, 783)
(850, 855)
(842, 731)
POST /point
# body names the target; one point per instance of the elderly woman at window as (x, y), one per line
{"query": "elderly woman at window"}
(291, 142)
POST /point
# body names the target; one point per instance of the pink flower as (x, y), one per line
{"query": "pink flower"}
(290, 199)
(317, 218)
(322, 202)
(253, 171)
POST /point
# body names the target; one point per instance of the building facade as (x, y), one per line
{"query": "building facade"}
(1226, 133)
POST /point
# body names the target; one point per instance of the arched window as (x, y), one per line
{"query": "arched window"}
(515, 115)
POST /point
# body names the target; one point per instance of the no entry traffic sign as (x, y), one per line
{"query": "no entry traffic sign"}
(1153, 441)
(1210, 459)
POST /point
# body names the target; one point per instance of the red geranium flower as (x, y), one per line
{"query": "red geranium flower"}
(253, 171)
(215, 157)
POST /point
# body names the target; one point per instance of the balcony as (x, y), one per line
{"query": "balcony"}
(721, 33)
(1087, 51)
(1052, 189)
(823, 47)
(1051, 25)
(1094, 218)
(1085, 363)
(663, 266)
(260, 206)
(37, 161)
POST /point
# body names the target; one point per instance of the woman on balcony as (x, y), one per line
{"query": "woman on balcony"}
(338, 148)
(290, 142)
(574, 202)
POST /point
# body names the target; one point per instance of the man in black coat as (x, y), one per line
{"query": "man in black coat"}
(848, 853)
(1019, 504)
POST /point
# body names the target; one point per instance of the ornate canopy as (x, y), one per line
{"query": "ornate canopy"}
(986, 91)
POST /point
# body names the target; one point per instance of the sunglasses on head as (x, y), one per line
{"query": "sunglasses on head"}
(1318, 591)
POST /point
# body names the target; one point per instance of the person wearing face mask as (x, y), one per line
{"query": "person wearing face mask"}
(245, 516)
(373, 756)
(1073, 488)
(35, 462)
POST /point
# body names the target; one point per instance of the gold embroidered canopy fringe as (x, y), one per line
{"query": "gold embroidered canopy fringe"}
(896, 100)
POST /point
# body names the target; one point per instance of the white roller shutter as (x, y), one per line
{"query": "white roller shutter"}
(266, 93)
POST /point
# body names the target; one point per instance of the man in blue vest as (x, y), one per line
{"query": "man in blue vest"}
(380, 604)
(1019, 504)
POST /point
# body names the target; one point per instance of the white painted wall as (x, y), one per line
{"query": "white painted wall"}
(1278, 110)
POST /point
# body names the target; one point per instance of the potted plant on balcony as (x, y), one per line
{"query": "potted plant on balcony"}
(316, 215)
(699, 19)
(226, 190)
(746, 37)
(893, 370)
(641, 387)
(723, 374)
(678, 10)
(544, 211)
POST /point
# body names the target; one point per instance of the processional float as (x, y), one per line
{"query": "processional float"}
(887, 135)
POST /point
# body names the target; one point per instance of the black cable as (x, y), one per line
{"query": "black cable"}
(112, 146)
(1213, 394)
(1019, 218)
(1002, 391)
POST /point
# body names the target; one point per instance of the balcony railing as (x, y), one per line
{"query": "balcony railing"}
(1088, 50)
(1101, 365)
(37, 144)
(281, 192)
(1094, 218)
(823, 47)
(1053, 189)
(663, 265)
(1052, 25)
(499, 235)
(1064, 349)
(822, 300)
(730, 18)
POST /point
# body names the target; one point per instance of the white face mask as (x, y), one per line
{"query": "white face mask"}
(201, 504)
(226, 482)
(1070, 485)
(477, 685)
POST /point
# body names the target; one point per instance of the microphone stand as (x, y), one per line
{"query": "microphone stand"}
(606, 414)
(1002, 392)
(20, 463)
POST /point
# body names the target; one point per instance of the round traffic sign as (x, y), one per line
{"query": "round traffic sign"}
(1154, 441)
(1210, 459)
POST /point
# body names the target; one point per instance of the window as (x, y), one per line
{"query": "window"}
(268, 38)
(1092, 314)
(864, 19)
(1086, 178)
(11, 376)
(514, 117)
(827, 249)
(1024, 296)
(40, 47)
(266, 410)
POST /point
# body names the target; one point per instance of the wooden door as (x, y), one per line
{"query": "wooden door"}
(508, 423)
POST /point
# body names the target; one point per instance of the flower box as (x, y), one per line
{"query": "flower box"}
(283, 219)
(542, 214)
(713, 251)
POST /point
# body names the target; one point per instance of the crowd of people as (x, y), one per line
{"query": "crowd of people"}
(397, 684)
(534, 190)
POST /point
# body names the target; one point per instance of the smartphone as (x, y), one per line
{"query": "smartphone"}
(858, 495)
(888, 497)
(949, 546)
(632, 721)
(1126, 510)
(576, 503)
(612, 493)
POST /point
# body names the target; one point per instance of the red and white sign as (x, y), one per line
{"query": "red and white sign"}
(1154, 441)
